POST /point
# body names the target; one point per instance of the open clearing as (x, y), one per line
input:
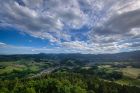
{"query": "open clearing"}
(131, 72)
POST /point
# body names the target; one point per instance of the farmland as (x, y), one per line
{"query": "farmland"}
(78, 73)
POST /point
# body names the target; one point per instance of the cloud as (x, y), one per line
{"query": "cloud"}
(119, 27)
(10, 49)
(122, 26)
(2, 44)
(115, 24)
(42, 18)
(84, 47)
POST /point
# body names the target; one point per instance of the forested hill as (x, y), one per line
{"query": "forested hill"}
(133, 56)
(64, 83)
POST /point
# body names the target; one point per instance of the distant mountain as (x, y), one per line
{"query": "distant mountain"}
(133, 56)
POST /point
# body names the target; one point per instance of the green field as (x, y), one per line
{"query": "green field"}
(29, 68)
(131, 72)
(128, 81)
(21, 68)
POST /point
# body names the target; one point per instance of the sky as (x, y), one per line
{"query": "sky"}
(69, 26)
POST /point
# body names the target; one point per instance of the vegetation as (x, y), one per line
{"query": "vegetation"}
(64, 83)
(131, 72)
(68, 73)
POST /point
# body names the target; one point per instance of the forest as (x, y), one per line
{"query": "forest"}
(70, 73)
(64, 83)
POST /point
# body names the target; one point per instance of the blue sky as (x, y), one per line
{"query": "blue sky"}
(69, 26)
(13, 36)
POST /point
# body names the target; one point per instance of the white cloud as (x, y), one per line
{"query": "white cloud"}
(115, 24)
(2, 45)
(41, 17)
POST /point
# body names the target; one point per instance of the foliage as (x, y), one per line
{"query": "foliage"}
(64, 83)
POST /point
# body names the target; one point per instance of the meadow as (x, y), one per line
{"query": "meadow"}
(121, 73)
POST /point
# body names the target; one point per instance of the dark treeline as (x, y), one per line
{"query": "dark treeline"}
(64, 83)
(125, 56)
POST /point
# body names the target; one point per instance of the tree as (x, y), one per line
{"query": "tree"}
(4, 90)
(30, 90)
(77, 89)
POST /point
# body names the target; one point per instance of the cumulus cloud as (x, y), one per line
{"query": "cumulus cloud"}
(115, 24)
(39, 18)
(2, 44)
(84, 47)
(121, 27)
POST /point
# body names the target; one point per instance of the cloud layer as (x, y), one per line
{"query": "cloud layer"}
(112, 25)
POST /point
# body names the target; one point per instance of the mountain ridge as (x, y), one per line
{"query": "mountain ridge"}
(133, 56)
